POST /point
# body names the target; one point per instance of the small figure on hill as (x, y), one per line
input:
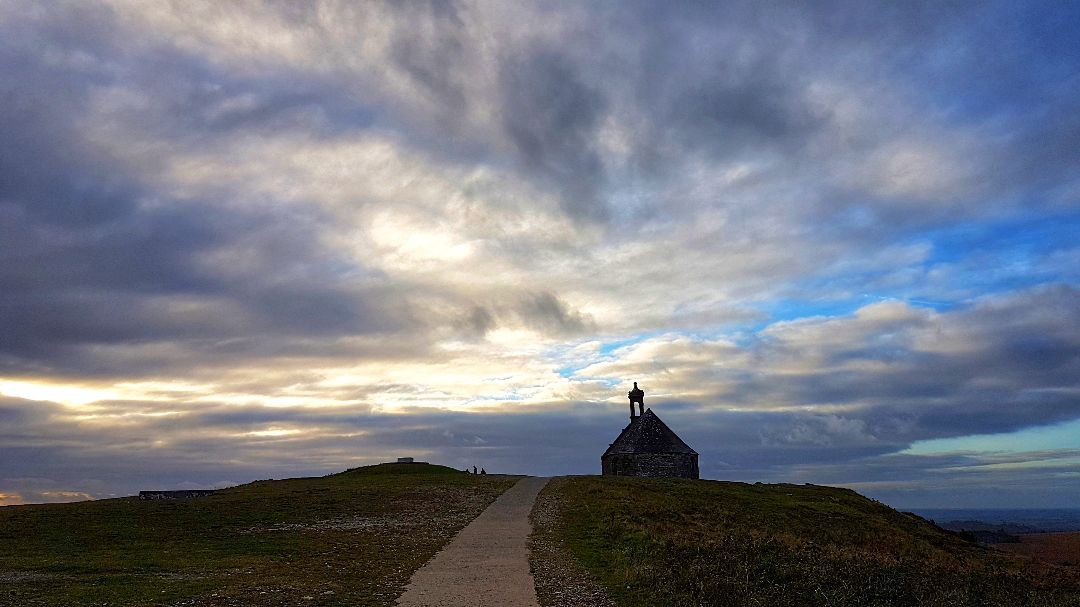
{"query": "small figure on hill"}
(637, 395)
(482, 471)
(474, 469)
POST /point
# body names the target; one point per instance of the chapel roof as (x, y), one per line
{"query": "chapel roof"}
(647, 434)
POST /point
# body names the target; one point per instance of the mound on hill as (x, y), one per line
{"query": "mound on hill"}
(352, 538)
(678, 542)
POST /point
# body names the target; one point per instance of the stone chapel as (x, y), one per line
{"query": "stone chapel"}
(647, 447)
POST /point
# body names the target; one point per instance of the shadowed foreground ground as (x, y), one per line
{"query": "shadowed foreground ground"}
(677, 542)
(347, 539)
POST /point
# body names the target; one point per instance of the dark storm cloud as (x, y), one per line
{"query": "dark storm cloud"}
(738, 81)
(477, 321)
(1026, 94)
(732, 111)
(723, 91)
(734, 80)
(94, 255)
(434, 60)
(194, 103)
(43, 166)
(77, 250)
(547, 313)
(137, 280)
(17, 414)
(551, 116)
(540, 311)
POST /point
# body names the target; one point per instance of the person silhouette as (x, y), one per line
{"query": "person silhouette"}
(637, 395)
(482, 471)
(474, 469)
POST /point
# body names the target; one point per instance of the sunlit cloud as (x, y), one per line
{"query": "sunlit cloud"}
(67, 394)
(11, 499)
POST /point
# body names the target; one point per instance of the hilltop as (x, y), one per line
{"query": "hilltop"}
(356, 537)
(351, 538)
(680, 542)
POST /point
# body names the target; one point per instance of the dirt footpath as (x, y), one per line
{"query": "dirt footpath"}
(487, 563)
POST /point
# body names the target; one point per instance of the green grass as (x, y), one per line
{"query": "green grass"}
(677, 542)
(352, 538)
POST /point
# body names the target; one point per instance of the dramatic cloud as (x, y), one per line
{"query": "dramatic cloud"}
(262, 239)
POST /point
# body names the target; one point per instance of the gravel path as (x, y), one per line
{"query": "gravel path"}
(487, 563)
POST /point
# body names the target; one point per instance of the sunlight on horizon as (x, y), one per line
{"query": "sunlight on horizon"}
(1065, 435)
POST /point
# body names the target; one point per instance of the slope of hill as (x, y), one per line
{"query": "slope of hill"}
(352, 538)
(677, 542)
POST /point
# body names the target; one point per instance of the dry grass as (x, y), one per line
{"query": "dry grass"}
(678, 542)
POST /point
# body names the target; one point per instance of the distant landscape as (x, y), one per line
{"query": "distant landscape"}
(1050, 535)
(1029, 520)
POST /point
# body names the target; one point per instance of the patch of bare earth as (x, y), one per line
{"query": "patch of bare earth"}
(421, 509)
(560, 580)
(1057, 548)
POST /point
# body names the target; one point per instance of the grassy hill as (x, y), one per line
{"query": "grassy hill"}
(352, 538)
(677, 542)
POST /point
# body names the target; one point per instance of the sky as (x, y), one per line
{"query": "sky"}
(834, 242)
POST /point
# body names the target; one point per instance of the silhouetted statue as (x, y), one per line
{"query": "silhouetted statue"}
(474, 469)
(637, 395)
(482, 471)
